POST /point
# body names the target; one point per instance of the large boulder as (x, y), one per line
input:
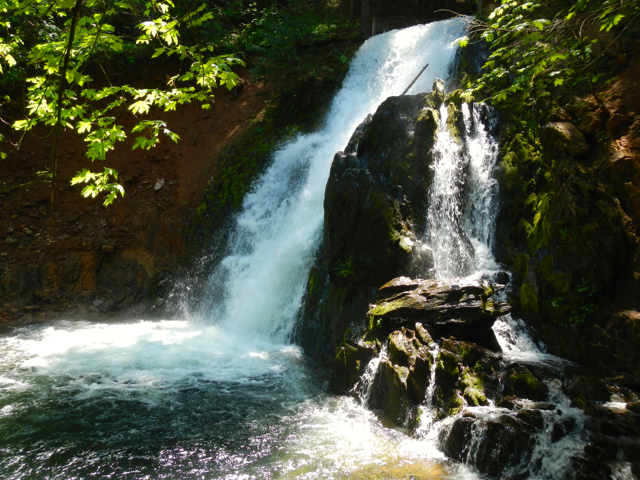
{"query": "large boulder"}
(564, 138)
(458, 307)
(499, 443)
(375, 212)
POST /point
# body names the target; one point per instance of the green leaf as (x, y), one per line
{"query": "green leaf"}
(65, 4)
(139, 107)
(83, 126)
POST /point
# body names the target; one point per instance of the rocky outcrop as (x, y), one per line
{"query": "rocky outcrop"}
(375, 204)
(568, 231)
(458, 307)
(406, 326)
(580, 264)
(88, 282)
(564, 138)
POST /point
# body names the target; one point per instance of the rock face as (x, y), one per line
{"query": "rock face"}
(582, 257)
(457, 307)
(565, 138)
(406, 326)
(568, 232)
(375, 213)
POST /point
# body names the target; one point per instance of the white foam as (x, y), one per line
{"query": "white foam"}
(94, 358)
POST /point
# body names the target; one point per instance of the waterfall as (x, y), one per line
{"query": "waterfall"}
(230, 396)
(463, 197)
(276, 234)
(227, 396)
(461, 223)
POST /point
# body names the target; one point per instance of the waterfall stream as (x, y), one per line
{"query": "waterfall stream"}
(223, 393)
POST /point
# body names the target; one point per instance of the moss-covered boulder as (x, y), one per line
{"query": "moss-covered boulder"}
(390, 393)
(448, 393)
(520, 382)
(349, 364)
(466, 375)
(459, 307)
(564, 138)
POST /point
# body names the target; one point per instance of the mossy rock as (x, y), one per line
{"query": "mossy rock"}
(390, 392)
(403, 347)
(420, 377)
(349, 364)
(520, 382)
(448, 393)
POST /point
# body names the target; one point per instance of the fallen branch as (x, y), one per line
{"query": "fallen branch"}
(13, 187)
(414, 80)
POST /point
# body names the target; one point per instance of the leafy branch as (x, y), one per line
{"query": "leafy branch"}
(535, 51)
(79, 33)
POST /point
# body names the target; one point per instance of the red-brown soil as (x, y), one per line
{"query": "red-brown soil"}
(145, 228)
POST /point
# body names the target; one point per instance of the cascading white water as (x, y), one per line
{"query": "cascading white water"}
(364, 387)
(463, 199)
(461, 224)
(279, 229)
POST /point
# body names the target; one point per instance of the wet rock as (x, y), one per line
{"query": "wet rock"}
(589, 469)
(491, 446)
(562, 428)
(107, 305)
(455, 307)
(634, 407)
(443, 301)
(403, 348)
(420, 376)
(348, 366)
(396, 286)
(564, 137)
(601, 448)
(531, 417)
(588, 387)
(520, 382)
(448, 397)
(480, 369)
(390, 392)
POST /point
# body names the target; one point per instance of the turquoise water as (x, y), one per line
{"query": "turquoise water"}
(171, 399)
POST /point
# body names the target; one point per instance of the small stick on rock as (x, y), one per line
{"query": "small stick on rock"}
(414, 80)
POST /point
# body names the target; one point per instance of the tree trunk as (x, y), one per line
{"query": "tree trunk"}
(365, 22)
(75, 14)
(352, 11)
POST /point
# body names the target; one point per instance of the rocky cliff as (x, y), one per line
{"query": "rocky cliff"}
(422, 351)
(374, 212)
